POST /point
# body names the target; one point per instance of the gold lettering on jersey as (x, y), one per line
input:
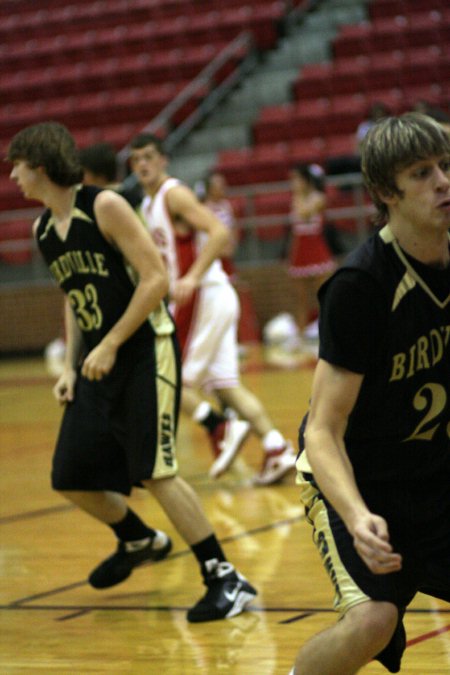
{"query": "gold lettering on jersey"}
(78, 262)
(81, 265)
(325, 553)
(427, 351)
(100, 265)
(398, 367)
(412, 360)
(422, 353)
(166, 439)
(437, 346)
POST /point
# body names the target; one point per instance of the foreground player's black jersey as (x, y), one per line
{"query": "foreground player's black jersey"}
(93, 274)
(400, 425)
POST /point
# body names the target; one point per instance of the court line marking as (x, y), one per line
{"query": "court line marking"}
(427, 636)
(178, 554)
(301, 612)
(200, 481)
(77, 611)
(47, 511)
(80, 611)
(321, 610)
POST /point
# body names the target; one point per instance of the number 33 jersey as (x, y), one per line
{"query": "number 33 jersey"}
(93, 274)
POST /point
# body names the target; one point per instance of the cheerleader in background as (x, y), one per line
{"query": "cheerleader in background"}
(310, 261)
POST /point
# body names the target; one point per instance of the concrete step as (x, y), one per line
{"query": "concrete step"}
(230, 125)
(220, 137)
(190, 168)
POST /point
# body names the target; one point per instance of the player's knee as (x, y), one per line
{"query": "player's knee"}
(377, 622)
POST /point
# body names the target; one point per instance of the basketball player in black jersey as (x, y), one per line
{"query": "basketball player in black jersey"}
(121, 380)
(374, 467)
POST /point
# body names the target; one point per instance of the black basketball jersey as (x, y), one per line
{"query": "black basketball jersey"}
(400, 425)
(93, 274)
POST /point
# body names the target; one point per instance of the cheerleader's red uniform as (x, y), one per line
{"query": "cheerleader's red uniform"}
(309, 255)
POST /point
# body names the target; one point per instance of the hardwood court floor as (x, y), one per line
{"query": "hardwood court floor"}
(53, 622)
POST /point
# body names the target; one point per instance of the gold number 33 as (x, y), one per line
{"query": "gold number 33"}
(85, 305)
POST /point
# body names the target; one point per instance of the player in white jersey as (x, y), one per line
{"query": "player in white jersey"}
(206, 311)
(215, 199)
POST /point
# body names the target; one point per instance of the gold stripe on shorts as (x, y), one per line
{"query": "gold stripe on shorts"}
(166, 390)
(347, 593)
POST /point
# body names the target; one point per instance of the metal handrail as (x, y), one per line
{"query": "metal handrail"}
(162, 120)
(20, 214)
(359, 211)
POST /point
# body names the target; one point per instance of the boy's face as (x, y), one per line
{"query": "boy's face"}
(28, 179)
(298, 182)
(217, 186)
(148, 164)
(425, 198)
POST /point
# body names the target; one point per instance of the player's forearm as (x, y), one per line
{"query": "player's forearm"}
(334, 474)
(146, 298)
(211, 251)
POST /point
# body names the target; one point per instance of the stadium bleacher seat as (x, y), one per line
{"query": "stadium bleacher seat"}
(313, 81)
(276, 204)
(264, 163)
(421, 66)
(106, 77)
(340, 144)
(307, 151)
(393, 99)
(16, 242)
(346, 112)
(383, 70)
(387, 8)
(353, 40)
(348, 76)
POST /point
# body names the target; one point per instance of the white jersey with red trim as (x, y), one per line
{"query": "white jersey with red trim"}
(179, 250)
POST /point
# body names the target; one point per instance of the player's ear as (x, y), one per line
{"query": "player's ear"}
(388, 197)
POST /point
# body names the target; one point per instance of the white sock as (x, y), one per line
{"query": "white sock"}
(202, 411)
(273, 440)
(159, 540)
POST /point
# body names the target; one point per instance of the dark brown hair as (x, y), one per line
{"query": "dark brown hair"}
(50, 145)
(392, 145)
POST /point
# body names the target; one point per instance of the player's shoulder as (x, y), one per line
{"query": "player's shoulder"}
(178, 195)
